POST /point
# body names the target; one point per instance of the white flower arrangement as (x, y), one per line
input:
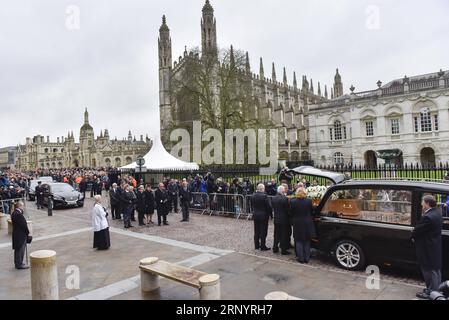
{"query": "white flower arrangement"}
(316, 192)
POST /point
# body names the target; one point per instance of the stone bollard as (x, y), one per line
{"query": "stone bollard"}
(44, 275)
(148, 281)
(210, 287)
(279, 295)
(3, 221)
(9, 227)
(30, 227)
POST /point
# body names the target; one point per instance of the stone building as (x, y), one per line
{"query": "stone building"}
(282, 103)
(404, 121)
(91, 151)
(8, 158)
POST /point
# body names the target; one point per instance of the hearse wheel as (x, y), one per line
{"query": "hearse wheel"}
(349, 255)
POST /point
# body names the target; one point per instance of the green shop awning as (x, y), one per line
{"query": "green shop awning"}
(389, 154)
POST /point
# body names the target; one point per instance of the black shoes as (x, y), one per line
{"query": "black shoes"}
(285, 253)
(423, 295)
(265, 249)
(22, 267)
(275, 250)
(166, 224)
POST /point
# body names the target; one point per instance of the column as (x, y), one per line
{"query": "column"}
(210, 287)
(44, 275)
(148, 281)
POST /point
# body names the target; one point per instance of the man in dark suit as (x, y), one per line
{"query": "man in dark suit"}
(127, 202)
(20, 234)
(428, 244)
(114, 196)
(39, 195)
(161, 197)
(281, 219)
(186, 197)
(261, 214)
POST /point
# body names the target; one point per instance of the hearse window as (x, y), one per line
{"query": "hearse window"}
(442, 205)
(377, 205)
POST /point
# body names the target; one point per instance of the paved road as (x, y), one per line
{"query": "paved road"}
(210, 244)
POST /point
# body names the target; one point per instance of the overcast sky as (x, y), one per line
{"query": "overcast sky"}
(49, 73)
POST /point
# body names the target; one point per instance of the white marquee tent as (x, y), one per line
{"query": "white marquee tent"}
(158, 159)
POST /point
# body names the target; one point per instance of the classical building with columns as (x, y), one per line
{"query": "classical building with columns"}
(403, 121)
(91, 151)
(284, 104)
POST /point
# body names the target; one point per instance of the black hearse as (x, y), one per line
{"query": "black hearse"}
(362, 222)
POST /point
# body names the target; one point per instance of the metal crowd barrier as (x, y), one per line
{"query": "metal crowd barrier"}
(6, 206)
(236, 205)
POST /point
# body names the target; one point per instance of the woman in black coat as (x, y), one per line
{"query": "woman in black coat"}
(301, 210)
(149, 204)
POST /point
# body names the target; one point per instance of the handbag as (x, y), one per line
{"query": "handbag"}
(106, 211)
(29, 239)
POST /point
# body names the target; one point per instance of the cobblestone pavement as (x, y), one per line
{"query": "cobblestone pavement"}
(231, 234)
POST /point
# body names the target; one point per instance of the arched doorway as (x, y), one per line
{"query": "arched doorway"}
(283, 155)
(118, 162)
(94, 162)
(76, 163)
(370, 159)
(129, 160)
(295, 156)
(428, 159)
(108, 162)
(305, 156)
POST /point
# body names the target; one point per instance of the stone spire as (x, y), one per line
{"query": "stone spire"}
(261, 71)
(106, 133)
(273, 74)
(332, 93)
(101, 134)
(247, 64)
(165, 46)
(285, 77)
(338, 85)
(311, 86)
(295, 83)
(232, 58)
(325, 92)
(305, 84)
(319, 89)
(86, 117)
(164, 27)
(130, 136)
(209, 31)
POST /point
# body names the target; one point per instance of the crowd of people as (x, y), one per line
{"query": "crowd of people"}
(285, 203)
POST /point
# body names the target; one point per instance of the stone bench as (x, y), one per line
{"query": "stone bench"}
(153, 268)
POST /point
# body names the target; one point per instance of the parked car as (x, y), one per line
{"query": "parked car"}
(31, 189)
(362, 222)
(64, 195)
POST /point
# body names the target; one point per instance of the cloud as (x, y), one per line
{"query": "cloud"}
(50, 74)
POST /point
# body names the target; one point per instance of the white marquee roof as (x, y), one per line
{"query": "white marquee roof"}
(159, 159)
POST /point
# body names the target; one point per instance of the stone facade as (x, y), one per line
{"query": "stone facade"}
(404, 121)
(8, 158)
(284, 105)
(89, 152)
